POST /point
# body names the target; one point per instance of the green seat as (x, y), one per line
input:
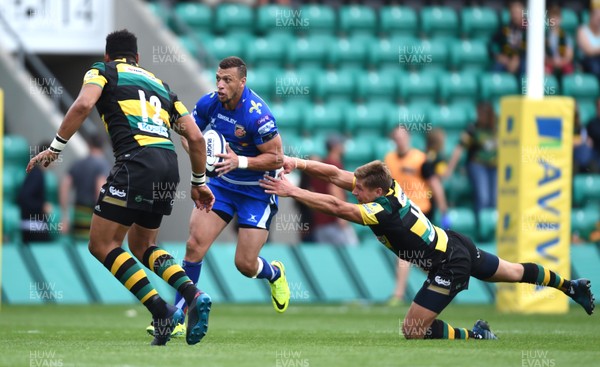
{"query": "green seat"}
(449, 117)
(160, 11)
(414, 117)
(336, 85)
(9, 186)
(469, 55)
(310, 51)
(582, 87)
(333, 282)
(496, 85)
(382, 147)
(349, 52)
(462, 220)
(190, 45)
(373, 271)
(261, 81)
(11, 222)
(584, 262)
(418, 87)
(197, 16)
(488, 217)
(276, 18)
(452, 140)
(221, 47)
(358, 151)
(61, 280)
(478, 23)
(288, 117)
(355, 19)
(584, 220)
(569, 21)
(296, 85)
(458, 190)
(368, 119)
(107, 288)
(16, 151)
(587, 111)
(325, 118)
(301, 290)
(234, 17)
(51, 186)
(18, 283)
(321, 19)
(237, 286)
(586, 189)
(458, 87)
(382, 53)
(439, 21)
(373, 85)
(436, 52)
(266, 52)
(313, 145)
(398, 20)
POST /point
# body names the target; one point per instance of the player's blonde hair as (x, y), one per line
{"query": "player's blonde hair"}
(374, 174)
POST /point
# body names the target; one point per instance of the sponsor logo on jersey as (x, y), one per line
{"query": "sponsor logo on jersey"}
(266, 127)
(226, 118)
(240, 131)
(370, 208)
(255, 107)
(116, 192)
(441, 281)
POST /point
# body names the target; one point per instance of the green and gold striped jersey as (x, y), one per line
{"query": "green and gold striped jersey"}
(136, 107)
(403, 228)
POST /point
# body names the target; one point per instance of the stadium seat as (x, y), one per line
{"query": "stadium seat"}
(357, 19)
(436, 54)
(382, 147)
(376, 86)
(398, 20)
(587, 111)
(333, 282)
(373, 271)
(584, 220)
(349, 52)
(198, 17)
(18, 286)
(301, 290)
(336, 85)
(458, 87)
(288, 117)
(326, 118)
(569, 21)
(16, 151)
(11, 222)
(321, 19)
(313, 145)
(458, 190)
(61, 280)
(414, 116)
(221, 47)
(582, 87)
(236, 285)
(310, 51)
(496, 85)
(463, 220)
(262, 81)
(584, 262)
(191, 46)
(586, 189)
(368, 119)
(439, 21)
(358, 150)
(383, 53)
(276, 18)
(469, 55)
(451, 141)
(488, 217)
(449, 117)
(418, 87)
(267, 52)
(478, 23)
(51, 185)
(9, 186)
(234, 18)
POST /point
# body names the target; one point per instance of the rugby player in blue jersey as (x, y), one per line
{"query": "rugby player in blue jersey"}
(254, 149)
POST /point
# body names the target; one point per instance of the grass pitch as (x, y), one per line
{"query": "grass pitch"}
(305, 336)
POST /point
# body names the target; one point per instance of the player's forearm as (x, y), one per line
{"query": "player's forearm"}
(197, 152)
(265, 162)
(74, 119)
(320, 170)
(320, 202)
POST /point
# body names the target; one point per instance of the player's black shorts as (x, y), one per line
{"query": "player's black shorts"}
(144, 179)
(463, 260)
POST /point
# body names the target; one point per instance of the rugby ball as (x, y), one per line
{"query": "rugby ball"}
(215, 144)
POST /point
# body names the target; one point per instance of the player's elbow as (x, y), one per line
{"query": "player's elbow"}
(278, 159)
(83, 106)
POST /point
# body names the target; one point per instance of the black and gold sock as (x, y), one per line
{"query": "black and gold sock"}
(165, 266)
(539, 275)
(441, 330)
(124, 267)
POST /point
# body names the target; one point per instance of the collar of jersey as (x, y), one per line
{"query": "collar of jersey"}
(125, 61)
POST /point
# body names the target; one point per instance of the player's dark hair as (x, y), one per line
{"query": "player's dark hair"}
(374, 174)
(121, 43)
(234, 62)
